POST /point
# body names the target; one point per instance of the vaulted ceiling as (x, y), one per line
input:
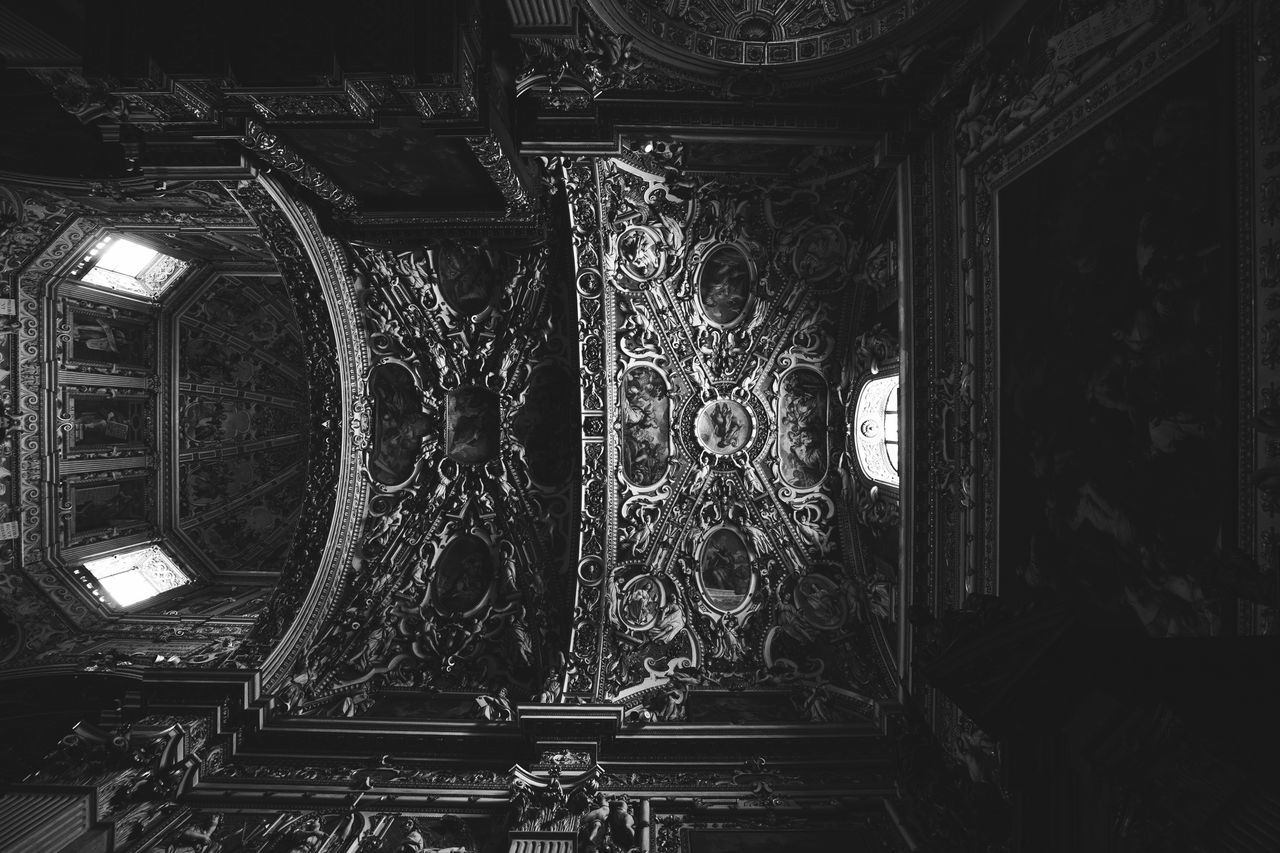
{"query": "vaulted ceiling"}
(538, 371)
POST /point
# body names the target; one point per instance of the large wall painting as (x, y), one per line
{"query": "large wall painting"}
(1117, 337)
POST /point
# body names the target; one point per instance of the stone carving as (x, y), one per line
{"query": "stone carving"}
(465, 546)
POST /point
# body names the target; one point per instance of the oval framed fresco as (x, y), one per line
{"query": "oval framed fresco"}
(726, 279)
(819, 602)
(641, 256)
(726, 570)
(723, 427)
(646, 425)
(641, 602)
(469, 280)
(802, 427)
(463, 575)
(399, 424)
(472, 419)
(821, 252)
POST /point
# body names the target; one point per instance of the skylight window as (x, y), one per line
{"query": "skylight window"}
(121, 264)
(876, 430)
(137, 575)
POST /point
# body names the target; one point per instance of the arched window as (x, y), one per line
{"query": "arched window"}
(876, 429)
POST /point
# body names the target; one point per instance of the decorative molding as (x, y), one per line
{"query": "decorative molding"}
(324, 299)
(272, 149)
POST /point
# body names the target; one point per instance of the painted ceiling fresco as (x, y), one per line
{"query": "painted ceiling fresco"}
(472, 450)
(242, 424)
(723, 343)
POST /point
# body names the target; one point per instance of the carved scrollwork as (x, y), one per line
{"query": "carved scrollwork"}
(727, 314)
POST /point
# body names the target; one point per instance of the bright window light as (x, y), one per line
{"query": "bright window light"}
(121, 264)
(876, 429)
(891, 427)
(127, 257)
(136, 575)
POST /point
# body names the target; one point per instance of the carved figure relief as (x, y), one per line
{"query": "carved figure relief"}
(819, 602)
(643, 601)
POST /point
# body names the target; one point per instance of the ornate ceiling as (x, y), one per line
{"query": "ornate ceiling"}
(623, 475)
(768, 33)
(798, 51)
(242, 423)
(719, 323)
(574, 474)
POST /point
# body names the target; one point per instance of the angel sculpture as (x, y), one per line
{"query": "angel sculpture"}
(728, 644)
(670, 623)
(496, 708)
